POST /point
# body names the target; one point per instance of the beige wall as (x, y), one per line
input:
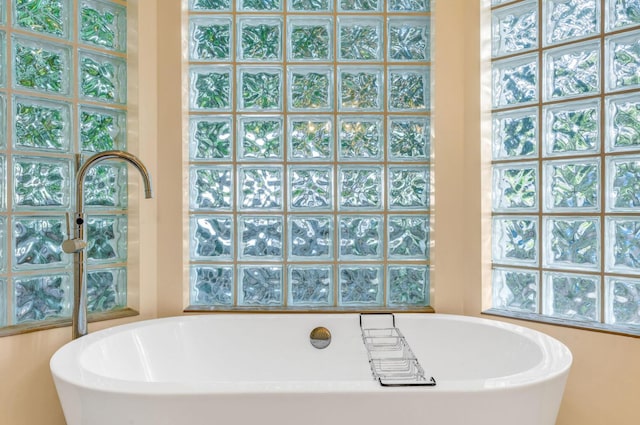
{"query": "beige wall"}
(606, 372)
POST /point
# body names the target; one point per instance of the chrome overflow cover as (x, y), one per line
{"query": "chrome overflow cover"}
(320, 337)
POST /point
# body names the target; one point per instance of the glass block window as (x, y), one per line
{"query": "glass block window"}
(62, 93)
(309, 153)
(566, 161)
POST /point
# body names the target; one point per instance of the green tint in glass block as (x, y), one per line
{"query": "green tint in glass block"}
(260, 88)
(622, 115)
(572, 242)
(50, 17)
(515, 187)
(623, 183)
(360, 39)
(260, 39)
(622, 13)
(106, 289)
(409, 138)
(41, 125)
(41, 183)
(515, 240)
(571, 296)
(572, 71)
(37, 242)
(261, 237)
(360, 188)
(3, 187)
(259, 5)
(103, 24)
(408, 237)
(310, 5)
(310, 188)
(106, 239)
(409, 89)
(409, 188)
(622, 301)
(361, 237)
(572, 128)
(516, 290)
(103, 78)
(260, 285)
(310, 138)
(211, 188)
(260, 138)
(3, 254)
(515, 134)
(210, 39)
(515, 81)
(409, 39)
(212, 237)
(310, 285)
(102, 129)
(623, 245)
(360, 138)
(408, 286)
(623, 61)
(514, 28)
(41, 66)
(211, 285)
(260, 188)
(359, 5)
(210, 138)
(3, 302)
(409, 5)
(106, 186)
(360, 89)
(3, 58)
(570, 20)
(205, 5)
(360, 285)
(37, 298)
(211, 88)
(311, 237)
(310, 88)
(309, 41)
(572, 185)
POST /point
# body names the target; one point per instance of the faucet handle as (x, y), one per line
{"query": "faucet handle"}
(71, 246)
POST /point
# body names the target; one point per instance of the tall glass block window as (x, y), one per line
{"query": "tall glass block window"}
(309, 153)
(566, 161)
(62, 96)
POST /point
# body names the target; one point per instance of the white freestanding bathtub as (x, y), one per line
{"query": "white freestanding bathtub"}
(250, 369)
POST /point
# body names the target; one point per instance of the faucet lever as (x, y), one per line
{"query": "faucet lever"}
(73, 244)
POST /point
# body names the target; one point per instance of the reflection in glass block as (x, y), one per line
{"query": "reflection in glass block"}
(210, 138)
(211, 188)
(515, 28)
(515, 187)
(572, 71)
(409, 138)
(210, 5)
(515, 81)
(211, 88)
(408, 188)
(3, 187)
(408, 286)
(573, 128)
(310, 88)
(359, 39)
(360, 138)
(260, 88)
(309, 41)
(623, 13)
(624, 186)
(515, 240)
(515, 134)
(211, 237)
(408, 5)
(260, 285)
(50, 17)
(623, 61)
(311, 237)
(103, 78)
(623, 122)
(41, 125)
(3, 108)
(623, 253)
(573, 184)
(310, 138)
(211, 285)
(40, 183)
(409, 89)
(263, 5)
(103, 24)
(408, 237)
(3, 251)
(310, 285)
(574, 297)
(260, 188)
(102, 129)
(622, 305)
(41, 66)
(360, 285)
(260, 138)
(260, 39)
(261, 237)
(573, 242)
(567, 20)
(361, 237)
(310, 188)
(359, 5)
(3, 302)
(515, 290)
(41, 297)
(106, 289)
(360, 187)
(37, 242)
(310, 5)
(106, 239)
(360, 90)
(210, 39)
(106, 186)
(409, 39)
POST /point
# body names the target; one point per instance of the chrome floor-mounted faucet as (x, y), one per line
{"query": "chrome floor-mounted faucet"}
(78, 244)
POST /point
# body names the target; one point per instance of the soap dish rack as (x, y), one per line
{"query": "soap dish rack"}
(392, 362)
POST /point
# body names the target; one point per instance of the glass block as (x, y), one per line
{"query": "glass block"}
(311, 237)
(515, 240)
(102, 129)
(360, 88)
(106, 186)
(48, 17)
(37, 298)
(310, 188)
(622, 116)
(408, 286)
(41, 125)
(514, 28)
(360, 188)
(515, 290)
(211, 237)
(360, 138)
(41, 66)
(309, 41)
(515, 134)
(310, 88)
(570, 19)
(360, 39)
(409, 89)
(103, 24)
(572, 128)
(622, 301)
(623, 61)
(622, 13)
(310, 138)
(210, 88)
(211, 188)
(212, 285)
(261, 237)
(3, 184)
(361, 237)
(360, 285)
(572, 71)
(3, 252)
(260, 138)
(259, 5)
(3, 58)
(260, 39)
(260, 285)
(409, 188)
(310, 5)
(103, 78)
(572, 242)
(213, 5)
(409, 39)
(408, 5)
(106, 239)
(408, 237)
(623, 244)
(310, 285)
(572, 185)
(260, 88)
(210, 39)
(515, 187)
(41, 183)
(623, 188)
(37, 242)
(515, 81)
(572, 296)
(210, 138)
(409, 138)
(260, 188)
(3, 118)
(359, 5)
(106, 289)
(3, 302)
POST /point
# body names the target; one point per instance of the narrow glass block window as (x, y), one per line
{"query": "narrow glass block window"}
(566, 161)
(63, 92)
(309, 153)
